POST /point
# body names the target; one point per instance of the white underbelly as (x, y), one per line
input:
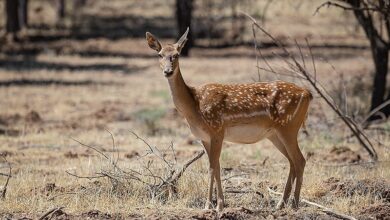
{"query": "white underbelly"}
(247, 134)
(199, 133)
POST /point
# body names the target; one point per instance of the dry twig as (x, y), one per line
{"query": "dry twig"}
(233, 191)
(4, 189)
(157, 183)
(348, 8)
(50, 212)
(376, 110)
(321, 207)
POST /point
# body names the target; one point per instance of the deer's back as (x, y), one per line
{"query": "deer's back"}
(223, 105)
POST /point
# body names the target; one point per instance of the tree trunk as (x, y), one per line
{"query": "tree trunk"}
(23, 13)
(386, 109)
(12, 23)
(79, 3)
(61, 9)
(380, 55)
(183, 17)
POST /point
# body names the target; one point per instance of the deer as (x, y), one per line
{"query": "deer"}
(238, 113)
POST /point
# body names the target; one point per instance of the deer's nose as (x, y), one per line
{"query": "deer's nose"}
(168, 72)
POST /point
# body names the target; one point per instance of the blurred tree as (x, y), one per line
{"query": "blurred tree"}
(183, 17)
(374, 17)
(76, 12)
(16, 16)
(12, 19)
(236, 32)
(23, 13)
(79, 3)
(61, 9)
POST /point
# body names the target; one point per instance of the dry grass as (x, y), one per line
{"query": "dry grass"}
(124, 93)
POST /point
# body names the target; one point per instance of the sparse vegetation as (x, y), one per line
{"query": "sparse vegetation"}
(150, 118)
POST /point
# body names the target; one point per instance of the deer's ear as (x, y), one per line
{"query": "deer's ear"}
(182, 41)
(153, 42)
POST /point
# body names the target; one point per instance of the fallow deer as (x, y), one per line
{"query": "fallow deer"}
(239, 113)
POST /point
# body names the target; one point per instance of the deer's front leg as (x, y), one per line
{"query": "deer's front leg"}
(215, 152)
(208, 204)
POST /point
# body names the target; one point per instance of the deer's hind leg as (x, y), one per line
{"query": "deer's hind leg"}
(289, 139)
(291, 176)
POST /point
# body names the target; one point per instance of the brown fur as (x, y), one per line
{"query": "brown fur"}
(279, 99)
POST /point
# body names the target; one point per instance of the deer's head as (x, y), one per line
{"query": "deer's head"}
(169, 54)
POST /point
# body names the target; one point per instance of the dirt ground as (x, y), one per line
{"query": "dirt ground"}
(55, 91)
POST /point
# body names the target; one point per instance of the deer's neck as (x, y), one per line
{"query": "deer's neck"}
(182, 97)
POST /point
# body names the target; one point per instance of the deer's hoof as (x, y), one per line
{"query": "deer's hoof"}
(220, 206)
(207, 206)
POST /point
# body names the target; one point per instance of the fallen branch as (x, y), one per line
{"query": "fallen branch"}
(232, 191)
(169, 183)
(84, 177)
(4, 189)
(321, 207)
(3, 174)
(50, 212)
(363, 164)
(179, 172)
(158, 183)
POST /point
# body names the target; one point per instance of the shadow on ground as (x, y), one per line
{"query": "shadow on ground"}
(109, 27)
(30, 64)
(48, 82)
